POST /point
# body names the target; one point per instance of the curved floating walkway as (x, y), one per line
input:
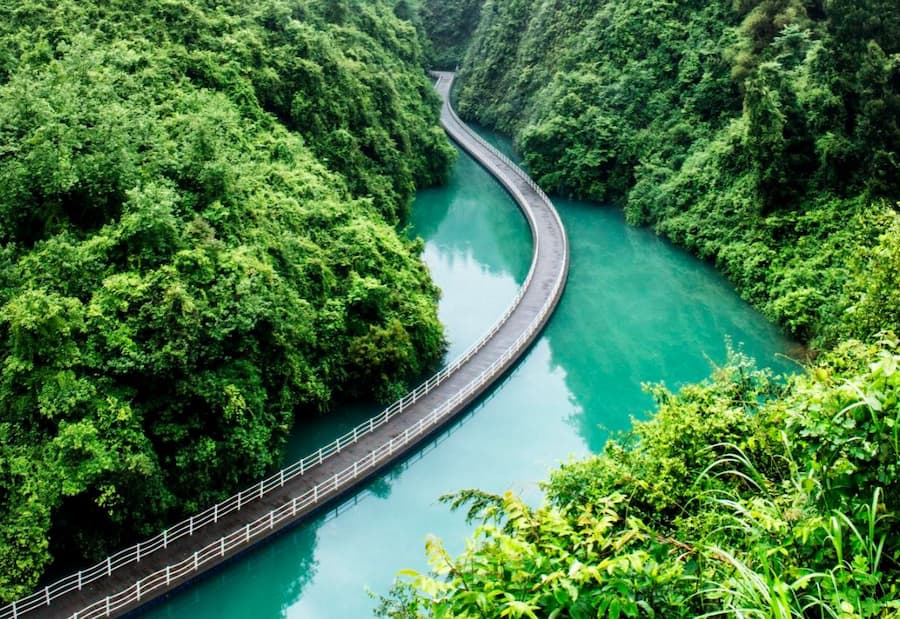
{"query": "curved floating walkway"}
(136, 575)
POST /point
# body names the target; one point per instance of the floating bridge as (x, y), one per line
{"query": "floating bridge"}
(136, 575)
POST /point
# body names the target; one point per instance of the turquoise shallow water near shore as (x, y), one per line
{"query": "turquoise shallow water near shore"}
(635, 310)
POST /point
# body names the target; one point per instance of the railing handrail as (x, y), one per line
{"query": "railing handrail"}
(258, 528)
(211, 515)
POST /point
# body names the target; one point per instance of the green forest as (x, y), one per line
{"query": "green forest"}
(201, 211)
(203, 245)
(764, 137)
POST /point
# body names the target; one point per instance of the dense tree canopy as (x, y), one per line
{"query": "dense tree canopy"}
(449, 26)
(762, 134)
(198, 245)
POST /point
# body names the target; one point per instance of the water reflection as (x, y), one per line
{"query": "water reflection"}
(634, 310)
(639, 310)
(472, 216)
(262, 585)
(478, 248)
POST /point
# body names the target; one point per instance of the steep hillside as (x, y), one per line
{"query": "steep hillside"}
(198, 245)
(449, 26)
(762, 135)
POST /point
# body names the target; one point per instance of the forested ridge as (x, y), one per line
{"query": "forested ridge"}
(763, 136)
(199, 246)
(449, 26)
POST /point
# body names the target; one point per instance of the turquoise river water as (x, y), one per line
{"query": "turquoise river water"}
(635, 310)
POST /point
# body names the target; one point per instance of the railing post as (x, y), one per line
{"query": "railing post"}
(358, 431)
(247, 533)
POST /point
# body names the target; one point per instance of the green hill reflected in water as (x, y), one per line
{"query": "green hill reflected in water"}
(635, 310)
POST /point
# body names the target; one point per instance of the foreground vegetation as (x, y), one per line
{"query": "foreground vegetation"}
(198, 245)
(741, 497)
(763, 135)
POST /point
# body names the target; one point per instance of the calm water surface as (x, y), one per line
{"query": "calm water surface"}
(635, 310)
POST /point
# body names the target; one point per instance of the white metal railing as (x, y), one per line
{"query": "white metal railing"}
(512, 166)
(250, 531)
(485, 144)
(259, 527)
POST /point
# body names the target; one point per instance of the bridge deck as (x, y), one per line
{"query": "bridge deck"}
(159, 572)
